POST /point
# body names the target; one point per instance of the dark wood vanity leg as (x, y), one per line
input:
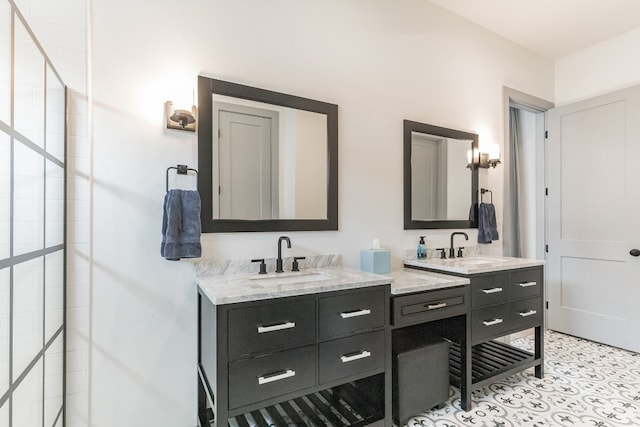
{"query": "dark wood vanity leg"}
(465, 368)
(539, 351)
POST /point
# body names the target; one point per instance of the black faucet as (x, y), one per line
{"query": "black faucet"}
(452, 252)
(279, 260)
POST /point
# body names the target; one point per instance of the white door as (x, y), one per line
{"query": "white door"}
(593, 282)
(245, 166)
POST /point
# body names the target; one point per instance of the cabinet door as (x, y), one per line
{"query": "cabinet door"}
(270, 327)
(261, 378)
(489, 322)
(489, 290)
(525, 284)
(344, 314)
(350, 356)
(526, 313)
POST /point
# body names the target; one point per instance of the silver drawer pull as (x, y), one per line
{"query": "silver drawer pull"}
(278, 327)
(527, 284)
(436, 306)
(352, 357)
(527, 313)
(276, 377)
(492, 322)
(347, 314)
(492, 290)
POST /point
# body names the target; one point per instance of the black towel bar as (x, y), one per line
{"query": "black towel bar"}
(180, 170)
(484, 190)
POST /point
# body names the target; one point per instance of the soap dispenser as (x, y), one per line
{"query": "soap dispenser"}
(422, 249)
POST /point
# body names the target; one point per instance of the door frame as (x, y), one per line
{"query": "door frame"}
(515, 98)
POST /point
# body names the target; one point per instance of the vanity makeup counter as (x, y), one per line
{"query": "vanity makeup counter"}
(295, 348)
(505, 296)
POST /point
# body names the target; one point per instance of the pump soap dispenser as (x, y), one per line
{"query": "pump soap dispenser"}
(422, 249)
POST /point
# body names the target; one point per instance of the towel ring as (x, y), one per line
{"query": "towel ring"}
(484, 190)
(180, 170)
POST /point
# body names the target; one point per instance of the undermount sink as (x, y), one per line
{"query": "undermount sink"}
(291, 278)
(477, 261)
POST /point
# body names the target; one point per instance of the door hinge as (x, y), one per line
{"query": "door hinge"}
(219, 190)
(219, 133)
(546, 134)
(546, 248)
(546, 305)
(546, 191)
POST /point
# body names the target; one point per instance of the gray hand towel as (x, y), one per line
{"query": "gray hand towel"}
(487, 228)
(181, 225)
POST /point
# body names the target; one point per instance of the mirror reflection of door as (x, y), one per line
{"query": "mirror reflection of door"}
(428, 163)
(247, 176)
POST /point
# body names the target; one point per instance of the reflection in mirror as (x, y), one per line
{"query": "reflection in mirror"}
(273, 163)
(440, 184)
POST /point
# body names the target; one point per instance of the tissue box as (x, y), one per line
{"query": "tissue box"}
(375, 260)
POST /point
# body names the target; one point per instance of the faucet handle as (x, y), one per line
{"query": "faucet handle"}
(460, 251)
(295, 266)
(443, 254)
(263, 266)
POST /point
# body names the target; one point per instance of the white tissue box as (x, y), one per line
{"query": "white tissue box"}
(375, 260)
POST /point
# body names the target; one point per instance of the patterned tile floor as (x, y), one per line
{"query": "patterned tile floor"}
(585, 384)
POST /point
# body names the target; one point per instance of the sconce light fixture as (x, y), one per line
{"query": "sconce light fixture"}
(484, 160)
(180, 119)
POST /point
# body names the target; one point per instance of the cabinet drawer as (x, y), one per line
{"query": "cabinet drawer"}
(526, 313)
(261, 378)
(490, 321)
(352, 355)
(271, 327)
(525, 284)
(428, 306)
(348, 313)
(489, 290)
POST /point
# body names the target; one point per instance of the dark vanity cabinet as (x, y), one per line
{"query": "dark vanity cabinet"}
(309, 360)
(496, 304)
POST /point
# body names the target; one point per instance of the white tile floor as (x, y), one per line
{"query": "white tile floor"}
(585, 384)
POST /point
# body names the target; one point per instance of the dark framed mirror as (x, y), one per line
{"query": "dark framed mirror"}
(440, 178)
(267, 161)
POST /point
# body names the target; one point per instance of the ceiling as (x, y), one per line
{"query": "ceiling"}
(551, 28)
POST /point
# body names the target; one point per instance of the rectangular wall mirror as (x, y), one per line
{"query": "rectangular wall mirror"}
(267, 161)
(440, 180)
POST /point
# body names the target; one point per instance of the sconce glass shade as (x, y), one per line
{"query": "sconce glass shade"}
(180, 119)
(494, 153)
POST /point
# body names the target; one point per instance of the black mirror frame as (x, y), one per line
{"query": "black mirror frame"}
(206, 88)
(411, 224)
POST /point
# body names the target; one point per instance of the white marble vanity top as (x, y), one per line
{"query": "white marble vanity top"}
(235, 288)
(474, 264)
(409, 281)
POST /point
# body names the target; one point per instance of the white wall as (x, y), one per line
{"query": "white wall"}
(605, 67)
(372, 58)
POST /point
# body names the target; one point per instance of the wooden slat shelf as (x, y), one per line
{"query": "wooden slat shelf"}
(340, 406)
(489, 360)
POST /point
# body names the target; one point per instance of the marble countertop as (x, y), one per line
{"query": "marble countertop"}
(474, 264)
(409, 281)
(235, 288)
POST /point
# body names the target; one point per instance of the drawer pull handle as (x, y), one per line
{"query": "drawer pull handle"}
(527, 284)
(492, 290)
(352, 357)
(528, 313)
(278, 327)
(347, 314)
(276, 377)
(436, 306)
(492, 322)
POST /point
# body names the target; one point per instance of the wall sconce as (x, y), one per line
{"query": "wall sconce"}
(484, 160)
(180, 119)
